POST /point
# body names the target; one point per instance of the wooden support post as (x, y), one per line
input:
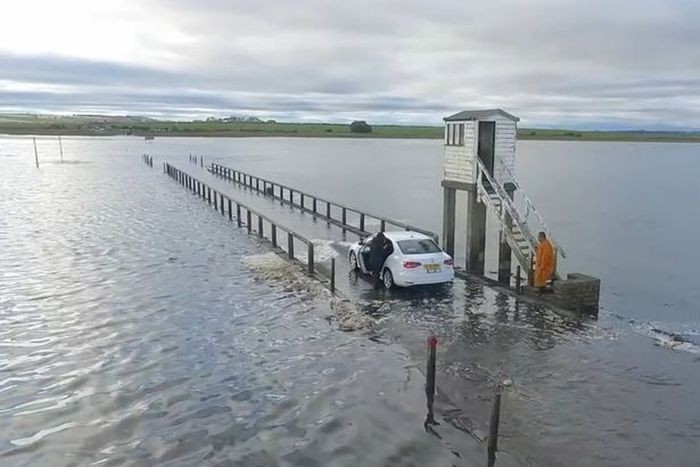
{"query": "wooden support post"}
(209, 195)
(230, 211)
(505, 254)
(493, 426)
(517, 279)
(314, 206)
(216, 201)
(291, 197)
(310, 257)
(328, 210)
(238, 215)
(362, 221)
(345, 216)
(273, 234)
(260, 227)
(257, 184)
(449, 204)
(476, 234)
(290, 245)
(382, 225)
(301, 203)
(36, 154)
(221, 205)
(531, 271)
(60, 148)
(249, 220)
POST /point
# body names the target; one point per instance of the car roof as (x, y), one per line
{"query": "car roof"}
(398, 235)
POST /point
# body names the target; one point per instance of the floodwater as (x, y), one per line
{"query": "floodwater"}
(111, 265)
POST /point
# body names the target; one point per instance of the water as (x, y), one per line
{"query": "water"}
(586, 392)
(133, 332)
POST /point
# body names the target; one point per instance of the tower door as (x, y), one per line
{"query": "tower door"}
(487, 144)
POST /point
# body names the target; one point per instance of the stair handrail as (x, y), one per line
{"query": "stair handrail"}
(531, 208)
(505, 202)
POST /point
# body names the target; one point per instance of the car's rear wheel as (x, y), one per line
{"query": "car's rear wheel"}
(353, 261)
(388, 279)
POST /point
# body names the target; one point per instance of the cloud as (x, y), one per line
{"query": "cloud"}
(552, 62)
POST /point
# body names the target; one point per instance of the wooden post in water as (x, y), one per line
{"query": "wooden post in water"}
(260, 227)
(273, 235)
(238, 215)
(430, 381)
(249, 220)
(60, 147)
(36, 154)
(290, 245)
(332, 274)
(493, 426)
(310, 257)
(230, 212)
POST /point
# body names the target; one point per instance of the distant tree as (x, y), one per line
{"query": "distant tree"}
(271, 121)
(360, 126)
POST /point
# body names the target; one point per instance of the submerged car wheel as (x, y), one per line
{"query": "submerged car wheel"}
(353, 261)
(388, 279)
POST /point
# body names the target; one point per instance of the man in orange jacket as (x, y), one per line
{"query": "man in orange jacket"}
(544, 264)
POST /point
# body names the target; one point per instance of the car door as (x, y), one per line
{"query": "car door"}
(363, 259)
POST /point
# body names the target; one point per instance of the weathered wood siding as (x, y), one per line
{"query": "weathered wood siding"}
(459, 160)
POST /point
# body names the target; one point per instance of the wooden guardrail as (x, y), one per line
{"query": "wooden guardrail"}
(237, 210)
(316, 205)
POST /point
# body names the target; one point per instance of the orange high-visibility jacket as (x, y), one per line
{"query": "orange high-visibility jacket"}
(544, 267)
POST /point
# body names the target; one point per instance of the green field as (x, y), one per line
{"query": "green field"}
(117, 125)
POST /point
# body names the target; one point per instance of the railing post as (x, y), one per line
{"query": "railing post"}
(345, 215)
(310, 257)
(291, 197)
(332, 274)
(230, 213)
(362, 221)
(260, 227)
(249, 220)
(216, 201)
(221, 206)
(382, 225)
(328, 210)
(273, 234)
(238, 215)
(314, 205)
(257, 184)
(301, 203)
(290, 245)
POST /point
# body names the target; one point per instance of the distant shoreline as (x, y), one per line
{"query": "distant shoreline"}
(23, 125)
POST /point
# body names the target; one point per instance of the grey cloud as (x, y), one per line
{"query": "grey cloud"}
(553, 62)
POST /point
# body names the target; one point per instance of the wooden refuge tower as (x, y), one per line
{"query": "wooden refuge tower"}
(480, 163)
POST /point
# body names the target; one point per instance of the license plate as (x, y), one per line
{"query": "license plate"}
(432, 268)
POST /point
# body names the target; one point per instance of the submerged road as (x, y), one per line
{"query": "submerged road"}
(569, 377)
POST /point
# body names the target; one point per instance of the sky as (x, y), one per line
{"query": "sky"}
(588, 64)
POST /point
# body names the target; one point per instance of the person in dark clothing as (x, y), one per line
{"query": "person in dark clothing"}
(379, 250)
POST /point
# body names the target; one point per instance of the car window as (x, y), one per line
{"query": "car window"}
(418, 247)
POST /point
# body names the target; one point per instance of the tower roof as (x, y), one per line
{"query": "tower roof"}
(479, 115)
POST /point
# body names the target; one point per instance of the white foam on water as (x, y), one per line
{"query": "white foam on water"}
(272, 267)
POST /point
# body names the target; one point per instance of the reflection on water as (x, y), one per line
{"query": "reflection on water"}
(132, 331)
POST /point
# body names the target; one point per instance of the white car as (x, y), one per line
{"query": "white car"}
(415, 260)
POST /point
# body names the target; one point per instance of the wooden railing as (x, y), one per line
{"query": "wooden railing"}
(332, 212)
(244, 215)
